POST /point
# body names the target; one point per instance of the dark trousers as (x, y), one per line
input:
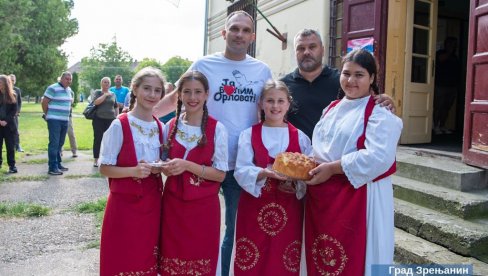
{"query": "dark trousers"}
(57, 134)
(99, 127)
(16, 135)
(8, 135)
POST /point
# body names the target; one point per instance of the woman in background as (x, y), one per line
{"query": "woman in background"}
(107, 110)
(8, 128)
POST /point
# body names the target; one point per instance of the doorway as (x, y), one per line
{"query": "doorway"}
(452, 29)
(452, 24)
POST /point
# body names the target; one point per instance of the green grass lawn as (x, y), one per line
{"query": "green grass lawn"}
(34, 134)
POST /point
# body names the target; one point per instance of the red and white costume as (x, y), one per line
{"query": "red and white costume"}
(130, 230)
(190, 225)
(269, 225)
(349, 218)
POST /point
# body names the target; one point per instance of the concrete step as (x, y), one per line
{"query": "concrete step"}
(439, 170)
(410, 249)
(468, 238)
(466, 205)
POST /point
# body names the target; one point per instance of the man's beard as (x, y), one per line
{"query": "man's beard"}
(306, 66)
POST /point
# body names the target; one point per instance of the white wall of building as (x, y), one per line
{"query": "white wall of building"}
(288, 16)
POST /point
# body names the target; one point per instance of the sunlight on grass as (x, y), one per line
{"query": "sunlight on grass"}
(36, 161)
(92, 207)
(34, 134)
(97, 208)
(18, 178)
(23, 210)
(93, 244)
(78, 176)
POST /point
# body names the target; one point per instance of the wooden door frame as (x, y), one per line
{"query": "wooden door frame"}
(381, 10)
(408, 109)
(473, 154)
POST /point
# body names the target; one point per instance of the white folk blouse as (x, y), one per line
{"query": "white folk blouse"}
(335, 138)
(145, 136)
(188, 137)
(276, 140)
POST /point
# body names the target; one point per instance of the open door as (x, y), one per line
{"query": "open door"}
(475, 144)
(363, 20)
(418, 94)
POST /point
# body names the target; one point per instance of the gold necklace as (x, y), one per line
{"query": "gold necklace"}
(183, 136)
(152, 132)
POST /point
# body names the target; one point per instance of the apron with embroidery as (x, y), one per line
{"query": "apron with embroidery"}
(335, 220)
(130, 231)
(190, 225)
(269, 228)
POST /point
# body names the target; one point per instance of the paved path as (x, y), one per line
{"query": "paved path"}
(62, 242)
(57, 244)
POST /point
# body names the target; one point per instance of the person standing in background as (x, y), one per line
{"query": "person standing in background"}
(56, 106)
(71, 131)
(120, 92)
(18, 94)
(125, 109)
(447, 83)
(107, 111)
(314, 85)
(8, 128)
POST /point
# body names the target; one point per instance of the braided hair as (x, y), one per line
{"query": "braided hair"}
(366, 60)
(139, 78)
(279, 85)
(189, 76)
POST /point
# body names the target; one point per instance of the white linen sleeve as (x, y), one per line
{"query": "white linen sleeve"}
(221, 153)
(111, 144)
(305, 143)
(246, 173)
(382, 135)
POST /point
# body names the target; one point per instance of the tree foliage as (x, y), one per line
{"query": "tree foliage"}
(32, 33)
(148, 62)
(107, 60)
(75, 84)
(174, 67)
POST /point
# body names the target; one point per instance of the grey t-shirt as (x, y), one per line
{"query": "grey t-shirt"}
(106, 110)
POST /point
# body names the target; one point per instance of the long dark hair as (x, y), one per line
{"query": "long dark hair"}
(189, 76)
(366, 60)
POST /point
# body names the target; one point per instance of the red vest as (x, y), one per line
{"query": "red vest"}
(127, 158)
(269, 228)
(130, 230)
(335, 220)
(181, 185)
(360, 143)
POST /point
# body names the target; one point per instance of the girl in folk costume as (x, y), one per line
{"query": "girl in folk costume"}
(270, 214)
(349, 203)
(131, 225)
(197, 152)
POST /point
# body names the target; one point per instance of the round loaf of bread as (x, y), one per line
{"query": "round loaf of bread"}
(294, 165)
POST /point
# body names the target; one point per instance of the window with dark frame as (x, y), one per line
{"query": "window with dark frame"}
(248, 6)
(335, 33)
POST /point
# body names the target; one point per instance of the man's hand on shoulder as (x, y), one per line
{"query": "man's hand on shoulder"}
(386, 101)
